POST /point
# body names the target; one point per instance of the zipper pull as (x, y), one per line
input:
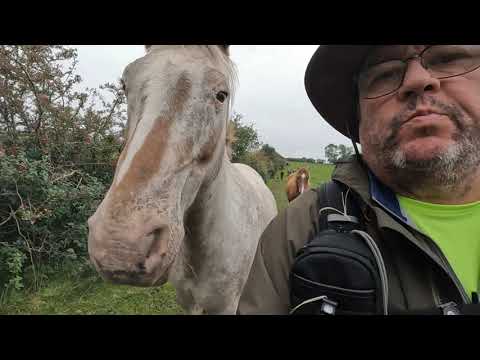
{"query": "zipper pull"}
(329, 307)
(450, 308)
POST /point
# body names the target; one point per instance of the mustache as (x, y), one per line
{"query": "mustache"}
(453, 113)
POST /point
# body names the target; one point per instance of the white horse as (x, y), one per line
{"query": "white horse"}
(178, 210)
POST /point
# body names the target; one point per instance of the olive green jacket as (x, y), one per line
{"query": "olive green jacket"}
(419, 275)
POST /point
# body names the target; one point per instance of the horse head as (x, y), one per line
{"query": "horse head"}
(297, 183)
(178, 105)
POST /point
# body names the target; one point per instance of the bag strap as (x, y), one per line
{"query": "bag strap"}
(339, 207)
(340, 211)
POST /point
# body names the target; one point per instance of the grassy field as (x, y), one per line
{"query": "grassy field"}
(87, 294)
(68, 295)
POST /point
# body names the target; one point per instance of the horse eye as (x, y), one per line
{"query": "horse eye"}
(222, 96)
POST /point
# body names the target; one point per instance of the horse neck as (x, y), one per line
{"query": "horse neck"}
(209, 201)
(201, 225)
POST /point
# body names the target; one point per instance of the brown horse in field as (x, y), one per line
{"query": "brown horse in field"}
(297, 183)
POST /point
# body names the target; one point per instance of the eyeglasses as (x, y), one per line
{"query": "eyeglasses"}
(441, 61)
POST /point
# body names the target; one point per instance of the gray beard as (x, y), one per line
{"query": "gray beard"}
(448, 170)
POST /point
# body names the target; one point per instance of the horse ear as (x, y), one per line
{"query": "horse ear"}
(226, 49)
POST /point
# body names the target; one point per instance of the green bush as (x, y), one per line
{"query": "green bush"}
(43, 213)
(267, 164)
(58, 150)
(12, 261)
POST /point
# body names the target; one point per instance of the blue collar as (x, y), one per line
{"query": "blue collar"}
(386, 198)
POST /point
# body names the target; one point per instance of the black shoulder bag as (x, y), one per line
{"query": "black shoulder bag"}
(340, 270)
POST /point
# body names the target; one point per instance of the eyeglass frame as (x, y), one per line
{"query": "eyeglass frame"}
(406, 61)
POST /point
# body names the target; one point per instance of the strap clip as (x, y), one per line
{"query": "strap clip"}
(450, 309)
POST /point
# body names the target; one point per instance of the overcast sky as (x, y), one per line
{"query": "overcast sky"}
(271, 93)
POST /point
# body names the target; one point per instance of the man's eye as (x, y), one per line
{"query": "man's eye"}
(448, 58)
(386, 75)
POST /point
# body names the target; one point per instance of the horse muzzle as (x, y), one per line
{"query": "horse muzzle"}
(129, 256)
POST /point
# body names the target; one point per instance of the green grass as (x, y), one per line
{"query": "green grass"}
(88, 294)
(69, 294)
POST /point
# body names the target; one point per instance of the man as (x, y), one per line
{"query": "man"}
(415, 110)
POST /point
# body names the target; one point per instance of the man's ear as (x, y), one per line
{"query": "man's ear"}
(354, 125)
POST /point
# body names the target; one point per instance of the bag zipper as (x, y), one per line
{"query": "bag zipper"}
(338, 288)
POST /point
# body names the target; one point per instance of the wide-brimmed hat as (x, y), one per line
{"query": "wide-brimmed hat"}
(329, 81)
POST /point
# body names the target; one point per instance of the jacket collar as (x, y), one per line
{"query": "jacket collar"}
(387, 199)
(367, 185)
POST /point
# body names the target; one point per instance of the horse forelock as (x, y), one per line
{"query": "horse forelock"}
(218, 53)
(224, 48)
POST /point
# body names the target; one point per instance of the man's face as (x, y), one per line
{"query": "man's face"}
(426, 125)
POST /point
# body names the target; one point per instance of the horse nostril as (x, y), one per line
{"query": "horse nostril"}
(158, 244)
(141, 266)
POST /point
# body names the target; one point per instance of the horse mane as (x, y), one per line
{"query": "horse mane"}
(230, 139)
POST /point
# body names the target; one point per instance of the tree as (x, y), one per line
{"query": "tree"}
(246, 138)
(335, 153)
(344, 152)
(247, 149)
(268, 150)
(37, 88)
(43, 110)
(331, 153)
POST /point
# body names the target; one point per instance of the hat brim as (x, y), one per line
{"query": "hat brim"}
(330, 86)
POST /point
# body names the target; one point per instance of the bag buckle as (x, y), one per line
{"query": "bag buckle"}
(449, 308)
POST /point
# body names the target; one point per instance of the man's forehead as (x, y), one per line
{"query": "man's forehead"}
(386, 52)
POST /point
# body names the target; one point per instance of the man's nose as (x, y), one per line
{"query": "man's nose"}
(417, 81)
